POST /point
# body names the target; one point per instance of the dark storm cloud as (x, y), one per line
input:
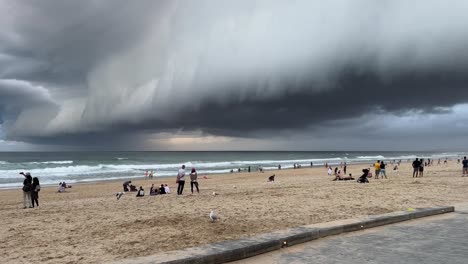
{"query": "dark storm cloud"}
(235, 68)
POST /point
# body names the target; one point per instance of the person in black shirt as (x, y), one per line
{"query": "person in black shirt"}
(162, 190)
(465, 166)
(27, 185)
(382, 170)
(35, 192)
(416, 165)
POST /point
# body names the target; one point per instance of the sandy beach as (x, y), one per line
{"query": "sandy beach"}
(88, 225)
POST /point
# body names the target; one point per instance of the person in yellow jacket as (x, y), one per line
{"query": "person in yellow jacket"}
(377, 169)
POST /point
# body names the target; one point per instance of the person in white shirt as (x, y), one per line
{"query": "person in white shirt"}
(181, 180)
(167, 189)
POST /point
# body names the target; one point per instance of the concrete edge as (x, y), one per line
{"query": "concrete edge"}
(232, 250)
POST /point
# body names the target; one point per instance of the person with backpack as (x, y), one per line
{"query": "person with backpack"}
(27, 185)
(36, 187)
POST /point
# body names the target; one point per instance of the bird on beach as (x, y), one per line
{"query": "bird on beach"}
(213, 216)
(119, 194)
(215, 193)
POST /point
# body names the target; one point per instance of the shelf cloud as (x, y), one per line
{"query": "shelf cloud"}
(81, 72)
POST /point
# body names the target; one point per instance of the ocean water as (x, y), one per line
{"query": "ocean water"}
(73, 167)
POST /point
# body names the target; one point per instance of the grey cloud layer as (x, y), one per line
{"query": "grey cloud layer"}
(225, 67)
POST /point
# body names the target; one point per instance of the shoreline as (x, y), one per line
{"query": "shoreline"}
(175, 174)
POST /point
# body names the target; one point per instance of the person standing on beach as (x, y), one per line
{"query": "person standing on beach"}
(36, 187)
(344, 168)
(421, 168)
(181, 180)
(465, 166)
(193, 180)
(416, 164)
(382, 169)
(377, 169)
(27, 185)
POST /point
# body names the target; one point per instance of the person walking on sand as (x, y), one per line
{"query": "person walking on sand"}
(181, 180)
(27, 185)
(416, 164)
(377, 169)
(465, 166)
(193, 180)
(36, 187)
(382, 170)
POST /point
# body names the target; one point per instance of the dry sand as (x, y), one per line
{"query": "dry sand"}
(88, 225)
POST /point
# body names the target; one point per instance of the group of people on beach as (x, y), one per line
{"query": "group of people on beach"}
(129, 187)
(164, 188)
(31, 188)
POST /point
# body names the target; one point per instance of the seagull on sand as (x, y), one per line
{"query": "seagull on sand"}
(119, 194)
(213, 216)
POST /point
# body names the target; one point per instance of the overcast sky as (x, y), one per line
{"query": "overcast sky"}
(233, 75)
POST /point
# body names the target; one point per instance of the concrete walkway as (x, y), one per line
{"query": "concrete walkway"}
(437, 239)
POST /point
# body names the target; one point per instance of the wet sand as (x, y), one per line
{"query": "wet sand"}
(88, 225)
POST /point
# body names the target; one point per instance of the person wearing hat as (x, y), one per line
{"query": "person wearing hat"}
(27, 184)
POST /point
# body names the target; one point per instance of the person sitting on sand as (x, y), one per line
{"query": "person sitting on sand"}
(167, 189)
(140, 192)
(343, 178)
(125, 186)
(271, 178)
(61, 187)
(133, 188)
(153, 191)
(330, 171)
(162, 190)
